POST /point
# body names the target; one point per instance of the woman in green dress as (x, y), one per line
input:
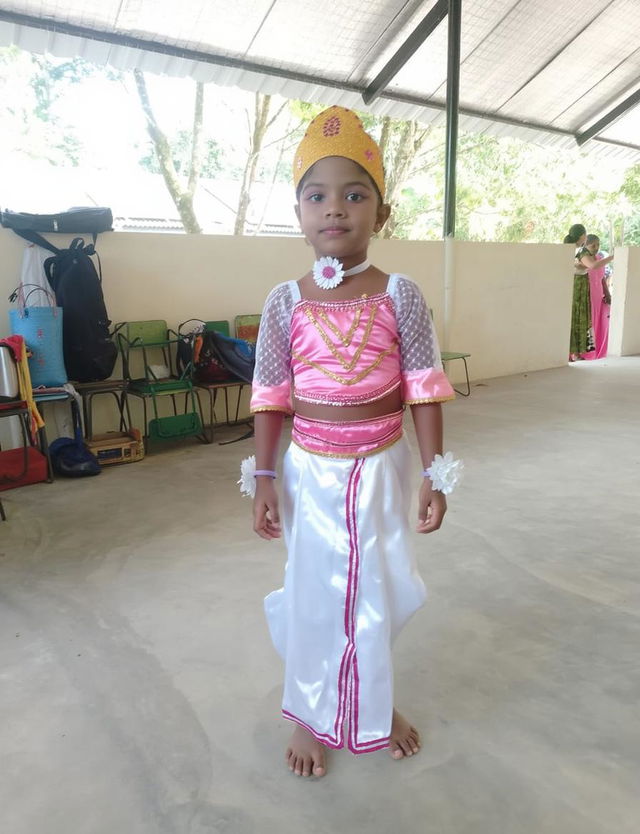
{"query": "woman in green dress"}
(581, 340)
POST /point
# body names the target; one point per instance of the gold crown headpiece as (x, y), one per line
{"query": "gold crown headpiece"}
(338, 132)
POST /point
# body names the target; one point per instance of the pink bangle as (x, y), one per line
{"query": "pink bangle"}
(268, 472)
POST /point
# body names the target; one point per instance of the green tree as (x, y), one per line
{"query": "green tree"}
(30, 88)
(180, 145)
(182, 192)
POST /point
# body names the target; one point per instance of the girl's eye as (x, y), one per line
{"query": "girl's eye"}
(354, 197)
(314, 198)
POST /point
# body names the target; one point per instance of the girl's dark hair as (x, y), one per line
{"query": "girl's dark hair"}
(592, 239)
(575, 233)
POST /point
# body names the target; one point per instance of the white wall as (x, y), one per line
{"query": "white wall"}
(177, 277)
(624, 325)
(511, 305)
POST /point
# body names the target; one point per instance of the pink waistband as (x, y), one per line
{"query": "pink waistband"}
(355, 439)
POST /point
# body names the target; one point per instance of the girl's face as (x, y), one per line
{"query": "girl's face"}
(593, 246)
(339, 209)
(582, 239)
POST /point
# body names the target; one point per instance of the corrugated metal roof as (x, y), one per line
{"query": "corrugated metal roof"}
(538, 70)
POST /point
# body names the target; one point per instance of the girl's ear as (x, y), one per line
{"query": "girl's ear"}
(382, 215)
(296, 208)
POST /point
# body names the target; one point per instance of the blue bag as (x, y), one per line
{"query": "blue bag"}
(71, 458)
(69, 455)
(41, 328)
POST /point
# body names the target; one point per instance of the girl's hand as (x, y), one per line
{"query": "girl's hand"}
(432, 505)
(266, 518)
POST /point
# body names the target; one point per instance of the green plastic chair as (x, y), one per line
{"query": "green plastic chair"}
(212, 389)
(218, 326)
(150, 344)
(449, 356)
(247, 327)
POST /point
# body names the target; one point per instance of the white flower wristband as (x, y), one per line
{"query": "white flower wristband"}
(445, 473)
(248, 475)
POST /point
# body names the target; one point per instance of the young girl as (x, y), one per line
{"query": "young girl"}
(344, 349)
(600, 297)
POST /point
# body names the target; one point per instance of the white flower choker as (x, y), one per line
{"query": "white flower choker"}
(329, 272)
(445, 473)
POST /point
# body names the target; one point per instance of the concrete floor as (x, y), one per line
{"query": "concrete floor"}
(140, 693)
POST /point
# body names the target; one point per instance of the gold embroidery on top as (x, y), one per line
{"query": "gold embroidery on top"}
(345, 338)
(346, 364)
(342, 379)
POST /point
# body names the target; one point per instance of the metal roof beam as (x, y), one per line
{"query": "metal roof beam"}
(609, 118)
(287, 75)
(408, 48)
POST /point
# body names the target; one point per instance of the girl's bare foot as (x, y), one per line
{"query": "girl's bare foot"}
(305, 754)
(405, 739)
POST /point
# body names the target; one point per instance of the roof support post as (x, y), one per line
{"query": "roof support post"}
(453, 96)
(451, 150)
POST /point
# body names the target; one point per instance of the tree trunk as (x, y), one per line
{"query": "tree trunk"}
(196, 142)
(183, 198)
(400, 148)
(260, 124)
(272, 184)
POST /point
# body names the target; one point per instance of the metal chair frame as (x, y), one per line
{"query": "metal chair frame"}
(150, 387)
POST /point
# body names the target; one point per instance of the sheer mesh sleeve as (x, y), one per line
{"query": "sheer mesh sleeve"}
(423, 379)
(271, 389)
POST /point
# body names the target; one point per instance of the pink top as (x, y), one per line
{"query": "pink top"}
(347, 352)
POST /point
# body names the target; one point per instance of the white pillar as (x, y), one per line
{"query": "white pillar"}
(624, 324)
(449, 290)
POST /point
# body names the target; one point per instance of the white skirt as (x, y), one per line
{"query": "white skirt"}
(350, 585)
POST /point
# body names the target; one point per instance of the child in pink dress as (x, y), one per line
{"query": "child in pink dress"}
(345, 349)
(592, 258)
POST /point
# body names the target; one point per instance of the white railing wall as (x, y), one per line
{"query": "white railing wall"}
(511, 303)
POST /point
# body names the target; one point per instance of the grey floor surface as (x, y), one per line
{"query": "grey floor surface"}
(139, 693)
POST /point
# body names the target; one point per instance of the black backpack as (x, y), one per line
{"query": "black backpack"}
(89, 351)
(237, 355)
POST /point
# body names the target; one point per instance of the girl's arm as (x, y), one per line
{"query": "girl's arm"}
(432, 505)
(593, 263)
(266, 517)
(606, 295)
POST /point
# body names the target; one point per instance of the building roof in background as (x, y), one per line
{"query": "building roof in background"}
(140, 201)
(539, 70)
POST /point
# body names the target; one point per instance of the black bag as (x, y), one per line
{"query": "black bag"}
(89, 352)
(84, 220)
(237, 355)
(196, 349)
